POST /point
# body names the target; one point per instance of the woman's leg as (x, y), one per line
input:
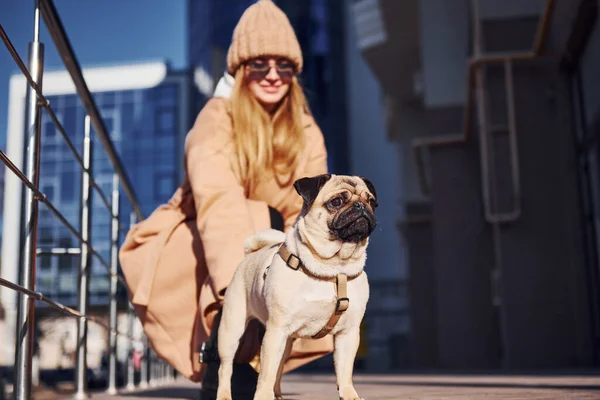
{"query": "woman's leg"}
(244, 379)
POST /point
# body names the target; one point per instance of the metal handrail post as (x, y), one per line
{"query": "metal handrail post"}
(144, 364)
(84, 269)
(156, 370)
(161, 373)
(25, 312)
(131, 320)
(130, 366)
(114, 281)
(153, 370)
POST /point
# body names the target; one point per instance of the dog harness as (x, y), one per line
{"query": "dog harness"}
(342, 301)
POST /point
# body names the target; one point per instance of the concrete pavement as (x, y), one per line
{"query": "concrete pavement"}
(409, 386)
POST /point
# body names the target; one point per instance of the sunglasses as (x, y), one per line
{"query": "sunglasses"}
(258, 69)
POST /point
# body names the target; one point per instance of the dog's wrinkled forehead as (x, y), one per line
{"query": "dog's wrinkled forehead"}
(325, 186)
(351, 184)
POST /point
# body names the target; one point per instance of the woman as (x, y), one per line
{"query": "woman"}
(247, 147)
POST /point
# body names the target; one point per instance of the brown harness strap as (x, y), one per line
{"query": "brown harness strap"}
(342, 301)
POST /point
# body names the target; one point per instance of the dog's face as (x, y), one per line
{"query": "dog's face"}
(344, 206)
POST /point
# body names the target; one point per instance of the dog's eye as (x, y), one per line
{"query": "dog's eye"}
(373, 202)
(336, 202)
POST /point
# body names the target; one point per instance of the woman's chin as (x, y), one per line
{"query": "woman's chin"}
(269, 102)
(270, 99)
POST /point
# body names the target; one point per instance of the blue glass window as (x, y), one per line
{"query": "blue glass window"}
(68, 183)
(48, 129)
(48, 190)
(166, 95)
(164, 186)
(127, 119)
(69, 121)
(108, 99)
(165, 121)
(45, 235)
(45, 262)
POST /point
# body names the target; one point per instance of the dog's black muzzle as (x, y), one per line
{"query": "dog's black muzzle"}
(354, 224)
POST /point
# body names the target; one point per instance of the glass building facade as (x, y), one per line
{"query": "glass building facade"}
(147, 130)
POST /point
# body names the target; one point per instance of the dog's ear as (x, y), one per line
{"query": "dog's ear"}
(309, 188)
(371, 187)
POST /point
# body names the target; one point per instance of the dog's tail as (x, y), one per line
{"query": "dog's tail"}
(267, 238)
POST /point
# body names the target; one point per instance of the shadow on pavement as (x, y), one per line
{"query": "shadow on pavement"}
(171, 392)
(469, 381)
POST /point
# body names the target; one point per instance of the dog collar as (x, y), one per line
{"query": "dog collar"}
(342, 301)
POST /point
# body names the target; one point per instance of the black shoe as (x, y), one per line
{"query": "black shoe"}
(243, 382)
(243, 379)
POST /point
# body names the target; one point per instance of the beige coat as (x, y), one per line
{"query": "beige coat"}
(179, 260)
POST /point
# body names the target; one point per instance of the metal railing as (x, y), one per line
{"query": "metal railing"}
(152, 373)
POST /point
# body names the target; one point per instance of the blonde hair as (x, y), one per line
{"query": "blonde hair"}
(267, 145)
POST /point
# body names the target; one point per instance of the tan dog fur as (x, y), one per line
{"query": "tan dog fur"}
(293, 304)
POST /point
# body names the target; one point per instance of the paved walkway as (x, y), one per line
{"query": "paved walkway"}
(425, 387)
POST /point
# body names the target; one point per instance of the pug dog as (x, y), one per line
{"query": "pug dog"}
(306, 283)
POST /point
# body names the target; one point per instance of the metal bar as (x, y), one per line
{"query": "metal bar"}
(144, 364)
(131, 320)
(84, 269)
(153, 370)
(63, 45)
(19, 61)
(57, 123)
(71, 228)
(513, 142)
(60, 307)
(20, 175)
(36, 22)
(46, 104)
(114, 264)
(542, 28)
(130, 366)
(103, 197)
(489, 182)
(25, 312)
(42, 198)
(58, 251)
(62, 132)
(491, 215)
(107, 204)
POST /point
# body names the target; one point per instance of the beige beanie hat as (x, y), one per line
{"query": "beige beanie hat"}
(263, 30)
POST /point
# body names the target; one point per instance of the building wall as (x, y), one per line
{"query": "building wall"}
(521, 294)
(210, 24)
(373, 156)
(515, 296)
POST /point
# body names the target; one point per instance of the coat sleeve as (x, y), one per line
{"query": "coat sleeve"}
(225, 217)
(315, 165)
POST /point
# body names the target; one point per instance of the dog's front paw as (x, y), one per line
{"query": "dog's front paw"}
(349, 393)
(264, 396)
